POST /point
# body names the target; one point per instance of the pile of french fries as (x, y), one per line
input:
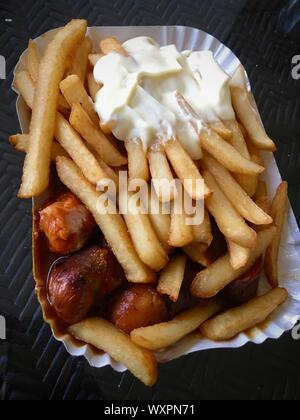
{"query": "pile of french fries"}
(60, 89)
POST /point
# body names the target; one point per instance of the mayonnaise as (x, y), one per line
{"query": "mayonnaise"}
(142, 93)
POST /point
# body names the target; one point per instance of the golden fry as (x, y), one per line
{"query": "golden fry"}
(209, 282)
(171, 278)
(74, 91)
(185, 169)
(247, 114)
(52, 67)
(278, 211)
(105, 336)
(95, 138)
(231, 224)
(234, 321)
(94, 87)
(165, 334)
(137, 161)
(109, 45)
(161, 174)
(235, 193)
(81, 59)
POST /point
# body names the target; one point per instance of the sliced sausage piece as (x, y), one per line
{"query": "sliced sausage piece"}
(138, 306)
(67, 224)
(78, 283)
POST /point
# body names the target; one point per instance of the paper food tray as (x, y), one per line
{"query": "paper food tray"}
(285, 317)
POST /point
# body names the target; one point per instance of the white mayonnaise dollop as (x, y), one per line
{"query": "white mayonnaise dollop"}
(140, 93)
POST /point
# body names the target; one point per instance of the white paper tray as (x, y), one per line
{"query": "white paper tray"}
(284, 318)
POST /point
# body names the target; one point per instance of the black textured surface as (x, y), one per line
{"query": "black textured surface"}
(265, 35)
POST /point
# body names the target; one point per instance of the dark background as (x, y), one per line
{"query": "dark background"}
(265, 35)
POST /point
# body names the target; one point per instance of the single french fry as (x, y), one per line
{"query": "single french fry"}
(137, 160)
(161, 174)
(202, 233)
(74, 91)
(109, 45)
(33, 60)
(94, 87)
(112, 226)
(231, 224)
(105, 336)
(171, 278)
(247, 114)
(264, 203)
(21, 141)
(81, 59)
(220, 128)
(76, 148)
(234, 321)
(197, 253)
(217, 276)
(278, 211)
(247, 182)
(165, 334)
(227, 155)
(161, 222)
(80, 120)
(239, 256)
(186, 170)
(36, 171)
(181, 234)
(143, 235)
(94, 58)
(239, 199)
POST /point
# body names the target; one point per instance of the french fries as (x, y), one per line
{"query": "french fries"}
(105, 336)
(196, 252)
(239, 256)
(109, 45)
(247, 182)
(220, 128)
(227, 155)
(181, 234)
(231, 224)
(278, 211)
(166, 334)
(202, 233)
(74, 145)
(246, 113)
(81, 59)
(137, 161)
(209, 282)
(80, 120)
(20, 143)
(94, 87)
(171, 278)
(161, 174)
(161, 223)
(112, 226)
(37, 162)
(185, 169)
(234, 321)
(235, 193)
(74, 91)
(145, 239)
